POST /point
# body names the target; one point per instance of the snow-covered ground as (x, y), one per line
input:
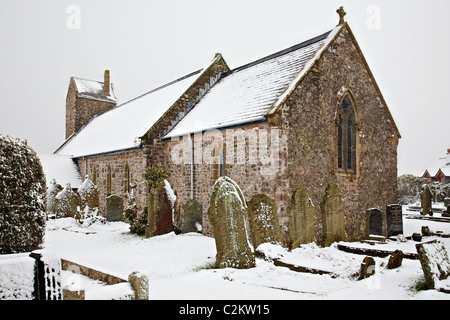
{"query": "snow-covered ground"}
(182, 266)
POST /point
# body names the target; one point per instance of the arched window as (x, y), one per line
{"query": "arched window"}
(127, 179)
(346, 132)
(108, 181)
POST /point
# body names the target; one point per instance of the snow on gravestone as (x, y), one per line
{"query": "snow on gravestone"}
(191, 220)
(67, 202)
(435, 262)
(301, 218)
(227, 211)
(52, 203)
(89, 194)
(264, 223)
(160, 202)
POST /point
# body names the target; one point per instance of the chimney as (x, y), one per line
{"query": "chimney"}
(448, 157)
(106, 83)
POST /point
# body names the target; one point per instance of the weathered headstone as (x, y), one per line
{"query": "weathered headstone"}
(227, 212)
(395, 259)
(425, 201)
(394, 219)
(435, 262)
(191, 219)
(52, 203)
(374, 222)
(160, 210)
(333, 215)
(68, 202)
(89, 194)
(367, 268)
(139, 283)
(114, 208)
(301, 218)
(264, 222)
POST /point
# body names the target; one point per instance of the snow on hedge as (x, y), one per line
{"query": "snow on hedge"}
(16, 277)
(22, 197)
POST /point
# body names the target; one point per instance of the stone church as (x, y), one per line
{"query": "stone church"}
(306, 116)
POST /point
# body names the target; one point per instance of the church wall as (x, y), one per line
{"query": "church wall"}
(310, 115)
(97, 169)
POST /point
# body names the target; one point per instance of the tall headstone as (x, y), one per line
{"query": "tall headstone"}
(89, 194)
(191, 219)
(264, 222)
(435, 262)
(425, 201)
(374, 222)
(114, 208)
(52, 203)
(160, 210)
(301, 218)
(227, 212)
(394, 219)
(68, 202)
(333, 215)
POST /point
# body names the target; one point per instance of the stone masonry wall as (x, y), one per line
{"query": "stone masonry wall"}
(97, 168)
(311, 116)
(79, 111)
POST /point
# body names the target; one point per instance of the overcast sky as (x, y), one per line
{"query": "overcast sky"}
(147, 43)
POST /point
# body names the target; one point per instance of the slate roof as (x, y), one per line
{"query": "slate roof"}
(91, 89)
(246, 94)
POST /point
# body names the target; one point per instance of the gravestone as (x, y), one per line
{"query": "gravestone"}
(191, 219)
(394, 219)
(367, 268)
(435, 262)
(89, 194)
(395, 259)
(333, 215)
(52, 203)
(425, 201)
(264, 222)
(227, 213)
(114, 208)
(160, 210)
(301, 218)
(374, 222)
(68, 202)
(446, 213)
(446, 202)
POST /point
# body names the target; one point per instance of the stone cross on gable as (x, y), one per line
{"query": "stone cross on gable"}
(342, 14)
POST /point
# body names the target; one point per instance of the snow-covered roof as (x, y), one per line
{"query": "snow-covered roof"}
(246, 94)
(121, 127)
(61, 168)
(442, 163)
(91, 89)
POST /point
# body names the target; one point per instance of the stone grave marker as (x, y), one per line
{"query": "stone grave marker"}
(446, 202)
(89, 194)
(301, 218)
(374, 222)
(52, 203)
(191, 219)
(446, 213)
(227, 212)
(264, 222)
(425, 201)
(435, 262)
(394, 219)
(333, 215)
(68, 202)
(160, 210)
(114, 208)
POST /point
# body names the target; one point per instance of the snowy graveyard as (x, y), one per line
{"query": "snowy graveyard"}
(183, 266)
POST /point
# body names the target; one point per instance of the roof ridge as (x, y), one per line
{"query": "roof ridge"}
(160, 87)
(281, 53)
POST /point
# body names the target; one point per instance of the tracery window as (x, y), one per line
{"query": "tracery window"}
(346, 145)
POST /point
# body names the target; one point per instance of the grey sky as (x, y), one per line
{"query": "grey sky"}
(148, 43)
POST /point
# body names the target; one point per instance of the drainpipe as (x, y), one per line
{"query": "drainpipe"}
(192, 165)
